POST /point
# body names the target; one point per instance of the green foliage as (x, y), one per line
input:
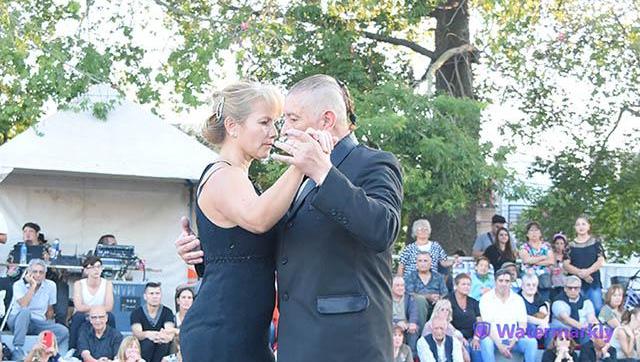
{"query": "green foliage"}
(573, 68)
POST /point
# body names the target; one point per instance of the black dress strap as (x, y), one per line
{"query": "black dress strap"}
(206, 174)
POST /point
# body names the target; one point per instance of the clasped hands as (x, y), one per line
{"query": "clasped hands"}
(308, 151)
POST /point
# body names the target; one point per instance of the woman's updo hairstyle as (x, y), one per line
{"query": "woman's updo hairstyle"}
(236, 101)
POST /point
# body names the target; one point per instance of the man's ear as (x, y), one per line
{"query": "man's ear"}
(328, 120)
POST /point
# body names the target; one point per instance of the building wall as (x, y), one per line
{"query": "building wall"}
(78, 210)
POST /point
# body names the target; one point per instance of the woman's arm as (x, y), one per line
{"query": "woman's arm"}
(108, 297)
(78, 303)
(231, 194)
(597, 265)
(625, 345)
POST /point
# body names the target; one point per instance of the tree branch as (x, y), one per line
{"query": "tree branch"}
(443, 59)
(402, 42)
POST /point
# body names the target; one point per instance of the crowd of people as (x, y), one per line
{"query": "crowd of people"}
(90, 333)
(518, 299)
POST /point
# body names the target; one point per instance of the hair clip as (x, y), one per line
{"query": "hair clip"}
(219, 110)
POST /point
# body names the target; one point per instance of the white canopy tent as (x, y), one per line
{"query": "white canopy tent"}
(78, 177)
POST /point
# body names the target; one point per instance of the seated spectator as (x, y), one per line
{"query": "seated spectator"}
(571, 311)
(611, 312)
(425, 281)
(485, 240)
(516, 281)
(597, 349)
(90, 292)
(33, 300)
(504, 309)
(184, 299)
(442, 310)
(101, 341)
(584, 259)
(625, 337)
(501, 251)
(559, 245)
(152, 323)
(438, 346)
(107, 239)
(481, 280)
(562, 349)
(401, 352)
(41, 352)
(129, 351)
(537, 255)
(421, 231)
(537, 308)
(465, 314)
(405, 312)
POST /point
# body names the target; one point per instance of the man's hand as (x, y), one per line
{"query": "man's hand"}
(403, 325)
(308, 154)
(433, 298)
(413, 328)
(188, 245)
(475, 343)
(504, 350)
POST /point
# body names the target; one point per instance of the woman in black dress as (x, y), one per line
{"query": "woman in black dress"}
(500, 251)
(229, 320)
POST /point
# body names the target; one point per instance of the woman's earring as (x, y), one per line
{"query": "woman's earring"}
(234, 135)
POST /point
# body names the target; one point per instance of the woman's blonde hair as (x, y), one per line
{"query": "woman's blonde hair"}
(442, 304)
(236, 101)
(126, 343)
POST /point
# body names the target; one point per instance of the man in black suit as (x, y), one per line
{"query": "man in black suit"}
(334, 252)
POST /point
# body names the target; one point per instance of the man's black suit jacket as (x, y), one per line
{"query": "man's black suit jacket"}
(334, 261)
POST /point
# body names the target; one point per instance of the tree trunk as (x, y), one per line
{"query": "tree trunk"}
(452, 31)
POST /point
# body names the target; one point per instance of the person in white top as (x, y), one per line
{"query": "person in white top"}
(438, 346)
(184, 299)
(89, 292)
(505, 314)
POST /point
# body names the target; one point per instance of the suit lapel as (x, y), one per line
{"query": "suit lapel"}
(339, 153)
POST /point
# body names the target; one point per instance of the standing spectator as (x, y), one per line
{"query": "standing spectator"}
(502, 307)
(501, 251)
(438, 346)
(90, 292)
(484, 240)
(562, 349)
(421, 231)
(100, 342)
(611, 312)
(571, 311)
(537, 256)
(405, 312)
(401, 352)
(424, 281)
(41, 352)
(585, 258)
(5, 281)
(184, 299)
(481, 280)
(152, 323)
(129, 351)
(559, 245)
(465, 314)
(537, 308)
(625, 337)
(33, 300)
(597, 349)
